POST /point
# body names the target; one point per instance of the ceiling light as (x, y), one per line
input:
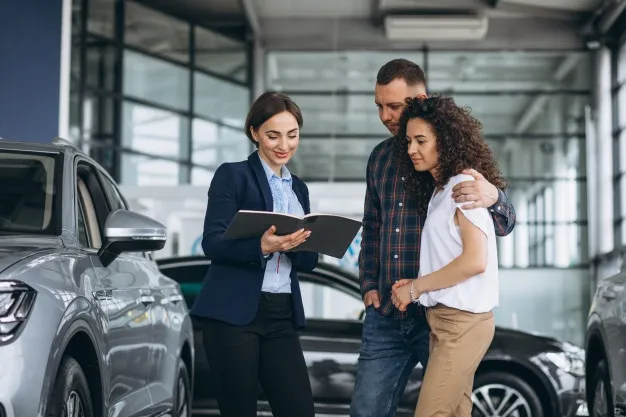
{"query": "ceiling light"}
(435, 28)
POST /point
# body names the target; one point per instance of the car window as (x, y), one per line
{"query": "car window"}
(92, 225)
(115, 199)
(93, 196)
(325, 302)
(28, 197)
(82, 227)
(320, 301)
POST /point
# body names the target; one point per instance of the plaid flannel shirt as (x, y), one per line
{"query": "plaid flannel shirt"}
(392, 230)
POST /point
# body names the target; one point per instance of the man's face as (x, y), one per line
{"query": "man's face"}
(390, 101)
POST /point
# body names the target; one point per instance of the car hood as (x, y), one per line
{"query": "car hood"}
(511, 338)
(16, 248)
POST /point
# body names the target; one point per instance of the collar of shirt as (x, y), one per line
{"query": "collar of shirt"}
(285, 174)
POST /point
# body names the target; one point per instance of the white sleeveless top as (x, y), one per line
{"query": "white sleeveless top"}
(441, 244)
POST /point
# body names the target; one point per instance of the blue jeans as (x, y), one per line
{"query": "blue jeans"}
(390, 350)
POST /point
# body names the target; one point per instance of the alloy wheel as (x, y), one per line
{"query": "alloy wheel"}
(600, 406)
(74, 405)
(498, 400)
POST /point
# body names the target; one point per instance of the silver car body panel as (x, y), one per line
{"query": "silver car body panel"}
(128, 314)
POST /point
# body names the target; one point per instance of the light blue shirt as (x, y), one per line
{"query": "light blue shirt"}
(277, 269)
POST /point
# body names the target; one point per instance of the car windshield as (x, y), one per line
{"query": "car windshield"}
(27, 199)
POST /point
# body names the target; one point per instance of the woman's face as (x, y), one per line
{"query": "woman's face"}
(278, 139)
(422, 146)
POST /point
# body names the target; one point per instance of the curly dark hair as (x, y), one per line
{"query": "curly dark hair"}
(460, 145)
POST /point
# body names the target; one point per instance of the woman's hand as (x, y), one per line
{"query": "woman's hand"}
(401, 293)
(270, 243)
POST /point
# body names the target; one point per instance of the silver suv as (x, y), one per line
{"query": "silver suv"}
(88, 325)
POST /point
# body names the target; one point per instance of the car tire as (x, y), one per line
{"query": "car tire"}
(601, 385)
(70, 394)
(491, 387)
(182, 399)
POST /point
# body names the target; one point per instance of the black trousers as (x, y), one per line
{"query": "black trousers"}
(267, 351)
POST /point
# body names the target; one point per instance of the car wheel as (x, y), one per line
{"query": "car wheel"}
(183, 392)
(500, 394)
(70, 395)
(600, 397)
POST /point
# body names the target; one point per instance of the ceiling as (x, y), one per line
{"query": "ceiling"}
(326, 53)
(503, 89)
(230, 13)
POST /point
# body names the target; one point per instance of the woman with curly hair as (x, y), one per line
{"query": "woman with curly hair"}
(458, 278)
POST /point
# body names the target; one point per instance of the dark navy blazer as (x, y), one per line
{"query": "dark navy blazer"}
(232, 286)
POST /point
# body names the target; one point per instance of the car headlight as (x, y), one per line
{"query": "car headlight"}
(571, 359)
(16, 300)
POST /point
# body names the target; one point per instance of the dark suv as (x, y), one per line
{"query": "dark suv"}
(606, 348)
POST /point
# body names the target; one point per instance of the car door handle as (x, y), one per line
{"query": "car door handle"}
(175, 299)
(102, 295)
(146, 299)
(609, 295)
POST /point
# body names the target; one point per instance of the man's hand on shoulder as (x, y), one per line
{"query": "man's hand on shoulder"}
(479, 193)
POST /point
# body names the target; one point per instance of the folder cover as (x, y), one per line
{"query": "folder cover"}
(330, 234)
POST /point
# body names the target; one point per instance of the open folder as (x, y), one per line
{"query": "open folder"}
(330, 234)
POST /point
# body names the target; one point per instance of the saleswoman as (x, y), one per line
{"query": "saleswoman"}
(250, 303)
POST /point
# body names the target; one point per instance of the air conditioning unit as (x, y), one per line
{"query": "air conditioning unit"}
(435, 27)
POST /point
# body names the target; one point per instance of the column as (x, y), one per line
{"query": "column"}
(35, 46)
(602, 115)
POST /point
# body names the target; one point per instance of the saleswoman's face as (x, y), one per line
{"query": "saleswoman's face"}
(278, 139)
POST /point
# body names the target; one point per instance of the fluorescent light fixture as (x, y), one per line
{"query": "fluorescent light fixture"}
(435, 28)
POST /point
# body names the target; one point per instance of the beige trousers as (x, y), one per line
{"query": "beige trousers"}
(458, 342)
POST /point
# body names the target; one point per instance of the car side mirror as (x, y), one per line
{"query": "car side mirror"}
(127, 231)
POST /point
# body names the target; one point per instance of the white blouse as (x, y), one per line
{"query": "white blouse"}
(441, 244)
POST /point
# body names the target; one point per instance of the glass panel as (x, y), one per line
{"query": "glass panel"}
(548, 198)
(568, 242)
(100, 70)
(221, 101)
(156, 133)
(201, 176)
(324, 302)
(101, 19)
(234, 145)
(622, 151)
(500, 115)
(221, 55)
(528, 296)
(329, 71)
(156, 32)
(621, 64)
(621, 107)
(142, 170)
(214, 145)
(622, 197)
(28, 198)
(340, 114)
(98, 130)
(154, 80)
(204, 144)
(507, 71)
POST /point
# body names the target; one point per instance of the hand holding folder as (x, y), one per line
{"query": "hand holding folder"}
(330, 234)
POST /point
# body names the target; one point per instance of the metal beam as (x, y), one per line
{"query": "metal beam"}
(535, 108)
(252, 16)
